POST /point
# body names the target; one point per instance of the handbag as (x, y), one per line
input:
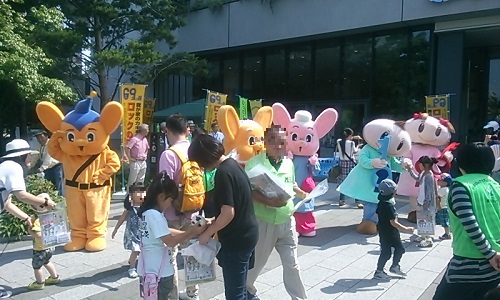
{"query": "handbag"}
(336, 171)
(149, 281)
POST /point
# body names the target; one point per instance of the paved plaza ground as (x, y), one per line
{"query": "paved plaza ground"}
(336, 264)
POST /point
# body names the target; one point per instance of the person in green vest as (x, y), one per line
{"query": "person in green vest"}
(474, 204)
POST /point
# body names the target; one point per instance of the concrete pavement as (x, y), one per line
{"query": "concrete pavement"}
(336, 264)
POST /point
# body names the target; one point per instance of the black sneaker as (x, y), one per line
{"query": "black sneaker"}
(252, 297)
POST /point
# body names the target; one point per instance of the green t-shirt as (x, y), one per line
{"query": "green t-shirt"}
(286, 172)
(209, 178)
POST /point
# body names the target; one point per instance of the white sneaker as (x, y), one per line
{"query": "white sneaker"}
(132, 273)
(5, 294)
(184, 296)
(381, 275)
(397, 270)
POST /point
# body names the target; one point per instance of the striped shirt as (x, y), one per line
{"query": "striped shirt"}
(462, 269)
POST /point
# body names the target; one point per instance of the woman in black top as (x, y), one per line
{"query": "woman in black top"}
(235, 224)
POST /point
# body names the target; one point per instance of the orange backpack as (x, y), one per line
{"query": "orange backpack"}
(192, 187)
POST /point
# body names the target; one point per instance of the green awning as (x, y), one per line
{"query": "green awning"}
(193, 110)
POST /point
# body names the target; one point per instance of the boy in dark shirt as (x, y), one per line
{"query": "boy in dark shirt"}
(388, 230)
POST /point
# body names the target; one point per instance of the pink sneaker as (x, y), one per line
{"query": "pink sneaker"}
(309, 234)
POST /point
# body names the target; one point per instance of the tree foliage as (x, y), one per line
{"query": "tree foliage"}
(126, 37)
(24, 64)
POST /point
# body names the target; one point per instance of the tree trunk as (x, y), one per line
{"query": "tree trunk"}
(101, 69)
(23, 124)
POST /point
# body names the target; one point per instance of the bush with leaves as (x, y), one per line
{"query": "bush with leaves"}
(12, 227)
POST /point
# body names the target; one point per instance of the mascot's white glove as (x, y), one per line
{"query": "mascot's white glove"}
(407, 164)
(379, 163)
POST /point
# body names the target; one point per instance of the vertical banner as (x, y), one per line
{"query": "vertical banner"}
(149, 108)
(132, 98)
(133, 112)
(214, 101)
(438, 106)
(243, 108)
(254, 106)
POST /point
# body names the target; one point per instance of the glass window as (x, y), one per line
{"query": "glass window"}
(300, 79)
(327, 79)
(391, 76)
(357, 68)
(211, 81)
(231, 76)
(253, 81)
(419, 70)
(275, 74)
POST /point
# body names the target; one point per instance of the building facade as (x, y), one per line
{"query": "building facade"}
(367, 59)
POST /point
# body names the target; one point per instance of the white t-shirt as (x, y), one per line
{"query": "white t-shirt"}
(11, 179)
(350, 146)
(443, 193)
(153, 227)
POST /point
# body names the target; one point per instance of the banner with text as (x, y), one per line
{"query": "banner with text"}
(149, 108)
(438, 106)
(132, 92)
(243, 108)
(254, 106)
(133, 112)
(214, 101)
(132, 99)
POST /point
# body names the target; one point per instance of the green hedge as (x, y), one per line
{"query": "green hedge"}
(14, 228)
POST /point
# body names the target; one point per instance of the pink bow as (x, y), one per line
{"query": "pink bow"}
(417, 115)
(444, 122)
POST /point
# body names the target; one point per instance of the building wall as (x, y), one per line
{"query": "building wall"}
(243, 23)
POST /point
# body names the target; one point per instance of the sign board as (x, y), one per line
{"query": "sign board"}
(438, 106)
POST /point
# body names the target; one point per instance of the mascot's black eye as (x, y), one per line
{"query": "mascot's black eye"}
(262, 139)
(400, 145)
(71, 136)
(421, 127)
(383, 135)
(90, 136)
(309, 138)
(251, 140)
(438, 131)
(294, 136)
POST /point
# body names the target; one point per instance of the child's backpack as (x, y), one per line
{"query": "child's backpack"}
(150, 282)
(192, 187)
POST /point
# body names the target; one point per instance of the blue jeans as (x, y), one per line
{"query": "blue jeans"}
(235, 264)
(55, 175)
(370, 212)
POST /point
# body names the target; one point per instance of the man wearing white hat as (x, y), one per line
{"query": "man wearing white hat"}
(13, 166)
(47, 165)
(491, 137)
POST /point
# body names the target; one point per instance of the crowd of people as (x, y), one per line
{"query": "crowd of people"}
(249, 224)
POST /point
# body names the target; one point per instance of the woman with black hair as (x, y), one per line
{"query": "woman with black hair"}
(235, 223)
(346, 148)
(13, 170)
(474, 205)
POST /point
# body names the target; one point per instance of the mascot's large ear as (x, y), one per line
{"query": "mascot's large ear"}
(111, 116)
(229, 122)
(325, 122)
(264, 117)
(50, 115)
(280, 115)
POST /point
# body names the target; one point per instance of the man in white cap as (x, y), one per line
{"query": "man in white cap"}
(491, 137)
(13, 167)
(136, 152)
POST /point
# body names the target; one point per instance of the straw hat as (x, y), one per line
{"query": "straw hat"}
(18, 147)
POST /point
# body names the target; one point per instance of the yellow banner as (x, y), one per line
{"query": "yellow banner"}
(214, 101)
(438, 106)
(254, 106)
(133, 112)
(132, 92)
(149, 108)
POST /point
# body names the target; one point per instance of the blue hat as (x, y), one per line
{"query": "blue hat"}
(82, 115)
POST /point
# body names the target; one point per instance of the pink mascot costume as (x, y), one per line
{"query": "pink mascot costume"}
(427, 135)
(303, 135)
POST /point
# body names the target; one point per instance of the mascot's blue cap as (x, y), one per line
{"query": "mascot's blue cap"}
(82, 115)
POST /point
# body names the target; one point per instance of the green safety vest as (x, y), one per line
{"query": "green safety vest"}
(485, 199)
